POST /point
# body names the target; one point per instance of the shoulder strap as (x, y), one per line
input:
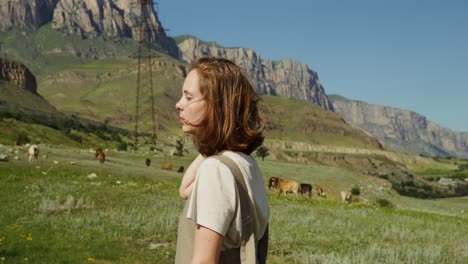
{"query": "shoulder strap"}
(247, 248)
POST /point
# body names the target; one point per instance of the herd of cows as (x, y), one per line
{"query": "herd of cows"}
(285, 186)
(282, 186)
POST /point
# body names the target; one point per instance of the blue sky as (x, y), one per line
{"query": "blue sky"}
(409, 54)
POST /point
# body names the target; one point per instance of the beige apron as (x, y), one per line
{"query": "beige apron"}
(249, 251)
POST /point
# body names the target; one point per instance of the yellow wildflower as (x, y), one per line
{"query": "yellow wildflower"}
(90, 260)
(26, 259)
(29, 237)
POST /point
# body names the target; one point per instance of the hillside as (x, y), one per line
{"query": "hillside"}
(18, 91)
(15, 100)
(95, 79)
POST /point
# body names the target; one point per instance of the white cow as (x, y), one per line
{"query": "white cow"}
(33, 153)
(346, 196)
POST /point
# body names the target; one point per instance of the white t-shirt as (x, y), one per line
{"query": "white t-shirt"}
(214, 201)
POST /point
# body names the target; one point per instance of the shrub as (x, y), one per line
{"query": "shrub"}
(22, 138)
(355, 190)
(74, 137)
(262, 151)
(179, 148)
(384, 203)
(122, 146)
(116, 137)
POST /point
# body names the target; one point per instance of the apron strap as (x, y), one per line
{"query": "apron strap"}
(248, 243)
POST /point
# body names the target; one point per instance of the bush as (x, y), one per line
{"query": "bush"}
(355, 190)
(21, 138)
(116, 137)
(384, 203)
(100, 134)
(179, 148)
(262, 152)
(74, 137)
(122, 146)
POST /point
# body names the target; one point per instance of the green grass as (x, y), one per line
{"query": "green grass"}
(54, 211)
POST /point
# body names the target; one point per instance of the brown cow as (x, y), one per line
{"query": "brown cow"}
(100, 155)
(167, 166)
(288, 186)
(319, 191)
(306, 189)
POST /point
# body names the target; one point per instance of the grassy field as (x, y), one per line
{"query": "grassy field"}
(69, 209)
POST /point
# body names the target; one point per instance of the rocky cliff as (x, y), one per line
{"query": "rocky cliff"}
(90, 19)
(286, 78)
(403, 130)
(18, 75)
(25, 13)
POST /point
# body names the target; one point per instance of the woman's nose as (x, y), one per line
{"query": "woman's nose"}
(178, 106)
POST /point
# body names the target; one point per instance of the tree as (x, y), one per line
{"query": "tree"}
(179, 148)
(262, 152)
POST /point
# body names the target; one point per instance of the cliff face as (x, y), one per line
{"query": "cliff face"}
(403, 130)
(91, 18)
(286, 78)
(18, 75)
(25, 13)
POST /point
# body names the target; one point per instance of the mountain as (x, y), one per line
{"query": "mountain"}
(403, 130)
(30, 14)
(90, 19)
(286, 78)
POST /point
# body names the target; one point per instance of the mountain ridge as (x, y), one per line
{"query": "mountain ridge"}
(403, 130)
(287, 78)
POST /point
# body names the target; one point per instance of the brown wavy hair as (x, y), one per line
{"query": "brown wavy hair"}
(231, 121)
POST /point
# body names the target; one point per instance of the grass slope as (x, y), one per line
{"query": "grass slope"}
(14, 99)
(56, 212)
(96, 79)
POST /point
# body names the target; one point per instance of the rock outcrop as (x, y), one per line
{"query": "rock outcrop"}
(403, 130)
(113, 19)
(29, 14)
(18, 75)
(286, 78)
(90, 19)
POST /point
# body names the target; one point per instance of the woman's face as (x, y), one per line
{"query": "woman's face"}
(191, 105)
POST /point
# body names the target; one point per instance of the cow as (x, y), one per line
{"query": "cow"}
(167, 166)
(319, 191)
(273, 182)
(100, 156)
(33, 153)
(346, 196)
(306, 189)
(181, 169)
(148, 162)
(288, 186)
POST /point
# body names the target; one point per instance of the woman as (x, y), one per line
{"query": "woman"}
(219, 109)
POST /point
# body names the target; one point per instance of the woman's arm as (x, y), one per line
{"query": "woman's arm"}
(207, 246)
(187, 181)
